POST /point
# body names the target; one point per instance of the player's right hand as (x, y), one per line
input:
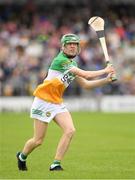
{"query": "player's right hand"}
(111, 77)
(110, 69)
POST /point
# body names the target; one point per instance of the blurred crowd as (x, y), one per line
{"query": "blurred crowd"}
(30, 38)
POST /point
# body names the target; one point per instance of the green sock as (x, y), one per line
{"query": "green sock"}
(22, 157)
(56, 162)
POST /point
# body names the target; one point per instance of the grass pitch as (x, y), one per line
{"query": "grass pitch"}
(102, 148)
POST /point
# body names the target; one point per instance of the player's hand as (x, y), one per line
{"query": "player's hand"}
(110, 77)
(110, 69)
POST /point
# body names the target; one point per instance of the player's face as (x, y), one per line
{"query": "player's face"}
(71, 49)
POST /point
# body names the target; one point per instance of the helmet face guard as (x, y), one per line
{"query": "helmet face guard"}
(70, 38)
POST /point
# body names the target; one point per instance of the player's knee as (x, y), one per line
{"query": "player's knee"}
(70, 132)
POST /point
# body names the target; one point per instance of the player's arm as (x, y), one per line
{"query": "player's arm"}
(91, 74)
(86, 84)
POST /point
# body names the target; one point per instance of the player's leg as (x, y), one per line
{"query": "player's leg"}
(64, 120)
(40, 129)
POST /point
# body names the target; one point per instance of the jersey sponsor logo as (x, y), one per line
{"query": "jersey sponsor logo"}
(66, 63)
(67, 66)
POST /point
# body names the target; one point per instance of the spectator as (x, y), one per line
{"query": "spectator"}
(29, 40)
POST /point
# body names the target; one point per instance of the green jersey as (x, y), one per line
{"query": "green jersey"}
(62, 63)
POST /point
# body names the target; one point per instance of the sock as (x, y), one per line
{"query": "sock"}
(22, 157)
(56, 162)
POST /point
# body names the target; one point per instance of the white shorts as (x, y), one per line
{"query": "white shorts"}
(45, 111)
